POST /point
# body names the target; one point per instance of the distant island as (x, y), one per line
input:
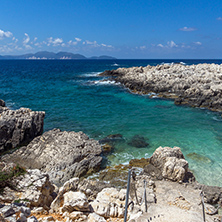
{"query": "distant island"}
(52, 55)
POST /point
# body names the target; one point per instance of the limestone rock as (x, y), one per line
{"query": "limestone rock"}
(70, 185)
(62, 155)
(15, 212)
(93, 217)
(92, 187)
(18, 127)
(75, 201)
(109, 203)
(197, 85)
(171, 162)
(33, 188)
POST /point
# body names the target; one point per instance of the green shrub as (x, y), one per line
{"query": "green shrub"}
(7, 177)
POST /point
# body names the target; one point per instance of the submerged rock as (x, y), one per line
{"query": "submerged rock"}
(112, 138)
(107, 148)
(198, 157)
(138, 142)
(19, 127)
(62, 155)
(139, 162)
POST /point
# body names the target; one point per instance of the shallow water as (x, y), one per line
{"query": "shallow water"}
(74, 99)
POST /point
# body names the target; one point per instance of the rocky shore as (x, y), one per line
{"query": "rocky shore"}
(46, 180)
(196, 85)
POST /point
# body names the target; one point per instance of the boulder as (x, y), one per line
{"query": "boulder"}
(62, 155)
(171, 163)
(75, 201)
(19, 127)
(109, 203)
(70, 185)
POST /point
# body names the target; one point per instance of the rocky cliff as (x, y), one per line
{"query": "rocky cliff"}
(19, 127)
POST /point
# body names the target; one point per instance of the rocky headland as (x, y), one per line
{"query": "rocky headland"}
(46, 180)
(18, 127)
(196, 85)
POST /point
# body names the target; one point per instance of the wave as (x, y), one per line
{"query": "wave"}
(103, 82)
(91, 74)
(115, 64)
(217, 119)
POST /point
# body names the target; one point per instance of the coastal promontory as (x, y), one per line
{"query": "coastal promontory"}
(196, 85)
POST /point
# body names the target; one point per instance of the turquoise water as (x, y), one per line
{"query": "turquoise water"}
(74, 99)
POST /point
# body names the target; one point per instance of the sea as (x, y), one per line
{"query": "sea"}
(75, 98)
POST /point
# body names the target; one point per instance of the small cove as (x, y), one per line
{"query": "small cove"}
(73, 98)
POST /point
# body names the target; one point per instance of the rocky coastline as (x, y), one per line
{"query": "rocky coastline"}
(46, 179)
(195, 85)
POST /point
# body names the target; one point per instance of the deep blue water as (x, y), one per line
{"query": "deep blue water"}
(70, 93)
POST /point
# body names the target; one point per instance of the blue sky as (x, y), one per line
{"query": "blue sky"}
(146, 29)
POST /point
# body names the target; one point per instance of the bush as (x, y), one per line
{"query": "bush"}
(6, 178)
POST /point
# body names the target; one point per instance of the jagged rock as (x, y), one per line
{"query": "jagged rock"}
(2, 103)
(92, 187)
(93, 217)
(171, 162)
(109, 203)
(70, 185)
(197, 85)
(19, 127)
(75, 216)
(62, 155)
(212, 194)
(152, 171)
(32, 219)
(15, 212)
(75, 201)
(33, 188)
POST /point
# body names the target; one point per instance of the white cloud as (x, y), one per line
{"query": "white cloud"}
(172, 44)
(72, 43)
(186, 29)
(78, 39)
(27, 39)
(5, 34)
(28, 47)
(90, 43)
(54, 42)
(197, 43)
(104, 45)
(143, 47)
(160, 45)
(219, 18)
(35, 39)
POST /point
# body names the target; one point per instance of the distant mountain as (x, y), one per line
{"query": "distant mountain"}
(102, 57)
(52, 55)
